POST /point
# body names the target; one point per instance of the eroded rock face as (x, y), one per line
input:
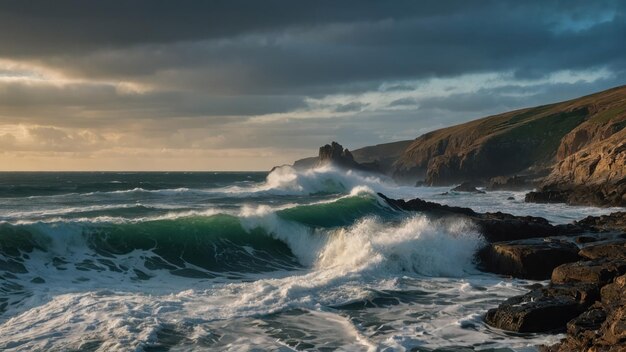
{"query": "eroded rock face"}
(602, 327)
(528, 259)
(594, 175)
(335, 154)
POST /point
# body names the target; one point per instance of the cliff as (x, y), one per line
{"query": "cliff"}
(578, 143)
(522, 141)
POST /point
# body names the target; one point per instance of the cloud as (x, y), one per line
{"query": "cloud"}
(285, 76)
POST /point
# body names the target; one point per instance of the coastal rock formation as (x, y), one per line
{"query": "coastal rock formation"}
(591, 159)
(528, 259)
(595, 175)
(600, 328)
(614, 249)
(611, 222)
(599, 271)
(587, 294)
(495, 227)
(544, 309)
(335, 154)
(527, 140)
(382, 155)
(573, 152)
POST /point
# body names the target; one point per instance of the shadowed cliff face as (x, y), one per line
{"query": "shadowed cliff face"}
(594, 175)
(523, 141)
(591, 159)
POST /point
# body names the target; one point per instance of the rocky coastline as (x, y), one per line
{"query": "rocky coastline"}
(585, 263)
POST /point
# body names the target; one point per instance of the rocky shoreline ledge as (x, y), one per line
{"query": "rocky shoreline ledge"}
(585, 262)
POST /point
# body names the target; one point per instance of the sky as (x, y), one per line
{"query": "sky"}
(246, 85)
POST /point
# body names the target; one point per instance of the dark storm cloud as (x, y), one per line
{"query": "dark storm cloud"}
(320, 47)
(56, 26)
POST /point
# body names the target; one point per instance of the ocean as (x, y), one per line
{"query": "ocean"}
(241, 261)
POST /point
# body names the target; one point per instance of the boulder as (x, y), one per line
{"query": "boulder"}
(547, 196)
(543, 310)
(599, 271)
(528, 259)
(614, 249)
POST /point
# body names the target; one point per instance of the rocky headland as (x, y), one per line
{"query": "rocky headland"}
(570, 152)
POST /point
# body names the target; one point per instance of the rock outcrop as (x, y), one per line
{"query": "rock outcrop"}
(594, 175)
(528, 259)
(546, 309)
(383, 155)
(495, 227)
(611, 222)
(591, 160)
(335, 154)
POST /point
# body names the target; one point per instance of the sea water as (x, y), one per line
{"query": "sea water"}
(237, 261)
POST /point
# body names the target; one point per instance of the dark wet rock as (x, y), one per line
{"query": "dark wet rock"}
(510, 183)
(547, 196)
(543, 310)
(598, 271)
(612, 222)
(614, 249)
(495, 227)
(602, 327)
(469, 187)
(582, 331)
(614, 329)
(427, 207)
(591, 319)
(510, 198)
(615, 292)
(528, 259)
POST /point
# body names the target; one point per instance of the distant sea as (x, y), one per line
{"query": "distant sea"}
(237, 261)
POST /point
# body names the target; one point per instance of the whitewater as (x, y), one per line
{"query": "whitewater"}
(289, 260)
